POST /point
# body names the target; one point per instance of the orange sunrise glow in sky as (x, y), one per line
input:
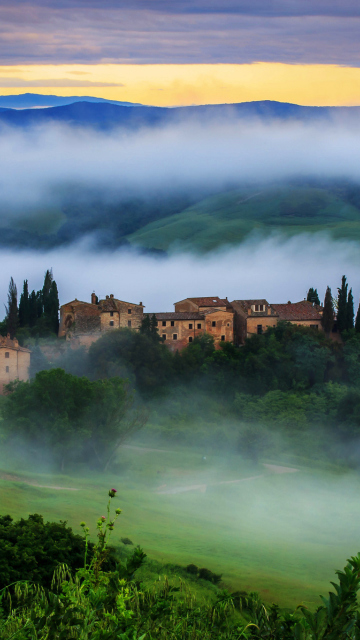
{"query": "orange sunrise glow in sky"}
(170, 85)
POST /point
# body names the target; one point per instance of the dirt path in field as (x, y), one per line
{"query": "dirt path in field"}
(33, 483)
(272, 468)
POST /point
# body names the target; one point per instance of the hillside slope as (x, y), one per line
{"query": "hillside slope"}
(230, 217)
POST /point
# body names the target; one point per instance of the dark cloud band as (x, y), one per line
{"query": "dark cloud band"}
(34, 34)
(346, 8)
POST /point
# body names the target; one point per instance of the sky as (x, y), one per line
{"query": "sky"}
(183, 51)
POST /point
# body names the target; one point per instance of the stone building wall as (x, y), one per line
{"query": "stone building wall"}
(14, 362)
(178, 331)
(220, 325)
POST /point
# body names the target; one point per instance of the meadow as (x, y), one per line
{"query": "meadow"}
(281, 533)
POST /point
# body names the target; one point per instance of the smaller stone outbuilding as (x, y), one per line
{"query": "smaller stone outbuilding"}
(256, 316)
(87, 321)
(14, 361)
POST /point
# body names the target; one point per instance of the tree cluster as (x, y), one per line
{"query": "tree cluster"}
(37, 312)
(70, 418)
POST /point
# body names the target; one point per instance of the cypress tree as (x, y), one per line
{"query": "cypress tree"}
(53, 308)
(24, 306)
(45, 297)
(327, 319)
(312, 296)
(342, 315)
(350, 310)
(357, 321)
(12, 316)
(33, 308)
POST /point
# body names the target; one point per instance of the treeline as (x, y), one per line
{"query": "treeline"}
(36, 314)
(339, 309)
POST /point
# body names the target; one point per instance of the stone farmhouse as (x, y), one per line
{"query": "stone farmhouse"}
(14, 361)
(255, 316)
(87, 321)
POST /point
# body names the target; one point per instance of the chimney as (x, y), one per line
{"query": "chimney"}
(111, 295)
(141, 304)
(93, 298)
(107, 297)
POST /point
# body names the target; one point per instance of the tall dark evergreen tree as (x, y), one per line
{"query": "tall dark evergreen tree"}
(46, 291)
(342, 315)
(350, 310)
(357, 320)
(24, 306)
(53, 308)
(12, 314)
(327, 319)
(35, 307)
(313, 296)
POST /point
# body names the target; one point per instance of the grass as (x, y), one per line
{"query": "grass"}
(228, 218)
(281, 535)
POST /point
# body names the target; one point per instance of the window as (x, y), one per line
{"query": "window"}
(258, 307)
(190, 339)
(222, 338)
(7, 354)
(129, 323)
(190, 325)
(129, 311)
(172, 323)
(174, 336)
(7, 369)
(314, 326)
(111, 314)
(164, 336)
(259, 329)
(111, 323)
(199, 325)
(164, 323)
(228, 324)
(213, 324)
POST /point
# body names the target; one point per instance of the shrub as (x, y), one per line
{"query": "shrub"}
(192, 568)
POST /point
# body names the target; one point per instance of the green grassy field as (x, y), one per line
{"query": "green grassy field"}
(228, 218)
(281, 534)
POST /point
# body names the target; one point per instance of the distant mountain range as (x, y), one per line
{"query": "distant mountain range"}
(105, 115)
(38, 100)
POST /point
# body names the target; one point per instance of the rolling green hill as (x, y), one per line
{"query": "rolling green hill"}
(191, 221)
(228, 218)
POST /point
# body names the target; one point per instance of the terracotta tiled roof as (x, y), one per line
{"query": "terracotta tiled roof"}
(245, 305)
(179, 315)
(215, 301)
(7, 343)
(108, 305)
(303, 310)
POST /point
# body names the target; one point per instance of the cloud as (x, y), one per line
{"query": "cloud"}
(281, 270)
(54, 82)
(122, 33)
(235, 7)
(34, 163)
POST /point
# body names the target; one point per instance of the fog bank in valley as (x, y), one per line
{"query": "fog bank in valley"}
(277, 269)
(35, 163)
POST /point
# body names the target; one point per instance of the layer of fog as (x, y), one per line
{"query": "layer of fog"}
(35, 162)
(276, 268)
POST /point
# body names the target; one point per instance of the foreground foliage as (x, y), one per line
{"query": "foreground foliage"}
(94, 604)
